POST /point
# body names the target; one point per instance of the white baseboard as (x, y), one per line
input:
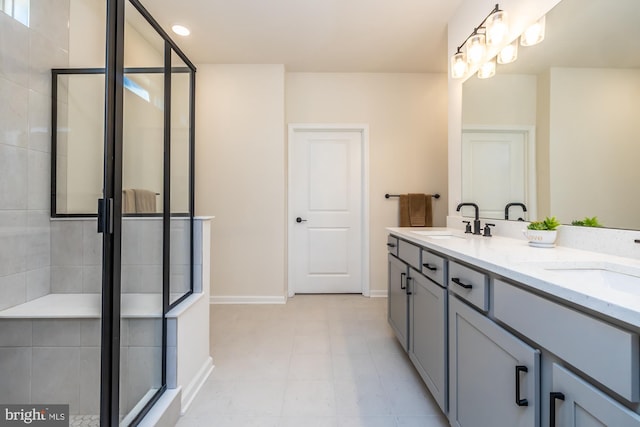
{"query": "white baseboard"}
(247, 300)
(378, 294)
(191, 390)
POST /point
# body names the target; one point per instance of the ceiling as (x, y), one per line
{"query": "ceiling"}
(313, 35)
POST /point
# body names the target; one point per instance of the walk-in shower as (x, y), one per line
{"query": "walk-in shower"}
(82, 312)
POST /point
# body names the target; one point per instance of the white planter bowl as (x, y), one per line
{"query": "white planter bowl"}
(541, 238)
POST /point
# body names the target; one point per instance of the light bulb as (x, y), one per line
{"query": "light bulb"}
(497, 28)
(459, 66)
(534, 34)
(509, 53)
(181, 30)
(488, 69)
(476, 49)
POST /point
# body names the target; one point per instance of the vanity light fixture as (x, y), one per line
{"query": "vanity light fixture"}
(487, 69)
(476, 48)
(509, 53)
(180, 30)
(497, 28)
(492, 31)
(459, 65)
(534, 34)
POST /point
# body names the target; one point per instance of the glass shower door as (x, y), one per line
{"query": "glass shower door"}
(143, 232)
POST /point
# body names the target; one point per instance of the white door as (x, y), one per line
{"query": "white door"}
(497, 170)
(325, 213)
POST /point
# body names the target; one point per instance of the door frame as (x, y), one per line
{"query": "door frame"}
(529, 133)
(363, 129)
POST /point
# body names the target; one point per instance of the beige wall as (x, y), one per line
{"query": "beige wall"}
(240, 176)
(507, 99)
(406, 114)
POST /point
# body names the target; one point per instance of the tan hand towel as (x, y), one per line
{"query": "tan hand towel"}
(404, 211)
(145, 201)
(428, 210)
(128, 201)
(417, 209)
(420, 219)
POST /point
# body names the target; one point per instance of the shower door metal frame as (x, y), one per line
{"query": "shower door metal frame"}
(111, 222)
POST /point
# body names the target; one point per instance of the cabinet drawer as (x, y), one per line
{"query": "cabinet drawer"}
(469, 284)
(602, 351)
(392, 245)
(433, 266)
(409, 253)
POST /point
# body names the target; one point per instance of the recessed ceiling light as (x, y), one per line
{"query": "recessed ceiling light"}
(181, 30)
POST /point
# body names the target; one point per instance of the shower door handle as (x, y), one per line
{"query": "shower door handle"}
(105, 216)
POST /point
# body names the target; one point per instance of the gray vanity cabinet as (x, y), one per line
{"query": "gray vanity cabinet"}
(428, 340)
(576, 403)
(398, 300)
(494, 376)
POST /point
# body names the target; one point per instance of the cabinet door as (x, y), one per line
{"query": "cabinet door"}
(490, 370)
(579, 404)
(428, 343)
(397, 300)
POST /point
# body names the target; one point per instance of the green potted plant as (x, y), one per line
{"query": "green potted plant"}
(587, 222)
(542, 233)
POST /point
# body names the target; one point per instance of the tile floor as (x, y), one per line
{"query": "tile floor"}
(319, 360)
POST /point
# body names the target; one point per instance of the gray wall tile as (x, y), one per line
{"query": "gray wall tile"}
(14, 333)
(92, 279)
(89, 332)
(38, 283)
(39, 180)
(66, 243)
(145, 332)
(56, 333)
(38, 239)
(55, 376)
(14, 42)
(39, 131)
(66, 280)
(13, 241)
(13, 177)
(15, 367)
(13, 290)
(89, 381)
(91, 243)
(13, 113)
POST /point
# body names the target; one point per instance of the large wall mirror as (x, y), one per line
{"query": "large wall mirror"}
(558, 130)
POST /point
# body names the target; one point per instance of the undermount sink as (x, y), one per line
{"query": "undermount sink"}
(438, 234)
(600, 277)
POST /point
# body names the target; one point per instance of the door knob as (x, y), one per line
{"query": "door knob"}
(299, 220)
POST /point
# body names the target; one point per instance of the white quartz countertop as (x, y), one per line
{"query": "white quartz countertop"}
(544, 269)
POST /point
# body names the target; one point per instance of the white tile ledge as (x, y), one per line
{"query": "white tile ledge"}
(83, 306)
(516, 260)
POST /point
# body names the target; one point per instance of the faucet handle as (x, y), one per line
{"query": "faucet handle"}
(467, 228)
(487, 229)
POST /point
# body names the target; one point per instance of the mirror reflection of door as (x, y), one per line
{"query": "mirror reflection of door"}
(498, 168)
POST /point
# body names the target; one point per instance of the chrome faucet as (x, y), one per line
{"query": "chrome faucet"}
(506, 210)
(476, 221)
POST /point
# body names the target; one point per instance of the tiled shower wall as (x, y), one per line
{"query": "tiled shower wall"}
(76, 256)
(27, 54)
